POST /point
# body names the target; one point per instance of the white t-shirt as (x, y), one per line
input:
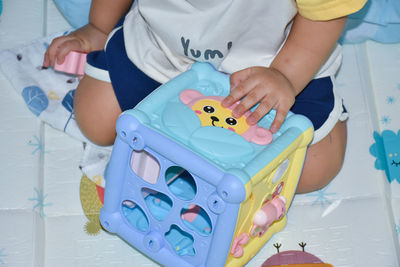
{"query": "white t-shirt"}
(164, 37)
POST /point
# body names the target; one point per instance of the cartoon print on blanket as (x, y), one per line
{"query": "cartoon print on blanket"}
(92, 200)
(68, 104)
(48, 93)
(386, 149)
(36, 99)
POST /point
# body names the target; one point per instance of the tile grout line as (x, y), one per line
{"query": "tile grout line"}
(44, 18)
(40, 224)
(364, 63)
(39, 220)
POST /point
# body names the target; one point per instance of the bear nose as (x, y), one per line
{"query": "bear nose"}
(213, 118)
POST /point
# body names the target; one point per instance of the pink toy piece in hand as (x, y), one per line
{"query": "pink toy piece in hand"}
(74, 63)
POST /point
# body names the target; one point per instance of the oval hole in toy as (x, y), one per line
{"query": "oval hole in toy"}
(135, 215)
(157, 203)
(145, 166)
(196, 219)
(181, 183)
(280, 171)
(181, 241)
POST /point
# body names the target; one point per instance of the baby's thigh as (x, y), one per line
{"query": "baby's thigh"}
(96, 110)
(324, 160)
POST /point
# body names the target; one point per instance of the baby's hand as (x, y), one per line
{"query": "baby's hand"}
(267, 86)
(85, 39)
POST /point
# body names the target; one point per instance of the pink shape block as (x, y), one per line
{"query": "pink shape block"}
(74, 63)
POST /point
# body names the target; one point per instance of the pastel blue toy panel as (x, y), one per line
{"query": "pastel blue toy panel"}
(226, 148)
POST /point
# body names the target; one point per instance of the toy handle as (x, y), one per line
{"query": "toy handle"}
(74, 63)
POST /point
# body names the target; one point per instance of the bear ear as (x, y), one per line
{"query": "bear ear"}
(187, 95)
(258, 135)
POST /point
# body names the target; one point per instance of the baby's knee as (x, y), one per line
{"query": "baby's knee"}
(323, 161)
(96, 111)
(312, 182)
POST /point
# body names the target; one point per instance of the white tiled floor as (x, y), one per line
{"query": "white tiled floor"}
(348, 224)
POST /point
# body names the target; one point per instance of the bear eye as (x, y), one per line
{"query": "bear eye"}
(208, 109)
(231, 121)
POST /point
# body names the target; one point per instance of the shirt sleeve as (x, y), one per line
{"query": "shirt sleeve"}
(328, 9)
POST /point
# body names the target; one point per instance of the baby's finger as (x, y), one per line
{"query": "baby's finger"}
(46, 60)
(53, 49)
(278, 120)
(249, 100)
(238, 92)
(66, 47)
(262, 109)
(239, 76)
(235, 79)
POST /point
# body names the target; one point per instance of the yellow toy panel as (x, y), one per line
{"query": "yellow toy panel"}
(270, 192)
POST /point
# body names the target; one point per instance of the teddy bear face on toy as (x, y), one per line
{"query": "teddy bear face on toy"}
(211, 113)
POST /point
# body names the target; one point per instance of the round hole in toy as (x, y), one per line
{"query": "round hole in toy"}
(137, 141)
(216, 204)
(157, 203)
(181, 183)
(135, 215)
(196, 219)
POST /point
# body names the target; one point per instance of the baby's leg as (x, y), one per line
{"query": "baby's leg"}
(324, 160)
(96, 110)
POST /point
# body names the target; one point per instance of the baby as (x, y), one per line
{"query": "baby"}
(281, 54)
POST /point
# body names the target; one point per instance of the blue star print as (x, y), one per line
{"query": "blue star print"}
(322, 196)
(40, 199)
(386, 120)
(39, 146)
(390, 100)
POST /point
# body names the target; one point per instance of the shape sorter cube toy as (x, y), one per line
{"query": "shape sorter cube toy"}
(186, 193)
